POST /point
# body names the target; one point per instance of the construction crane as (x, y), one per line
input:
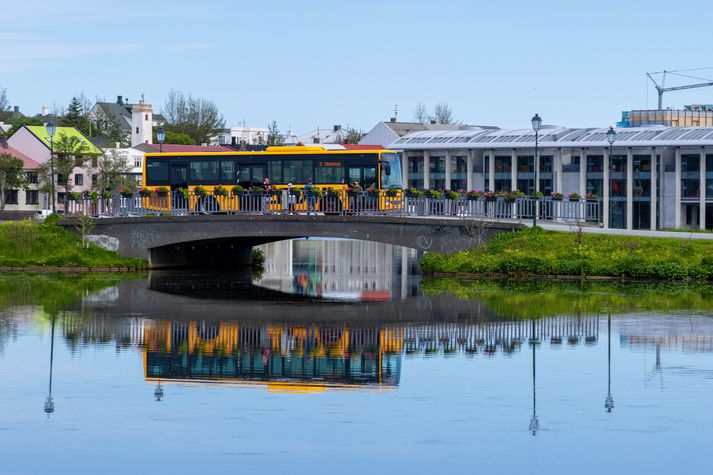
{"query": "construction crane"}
(661, 88)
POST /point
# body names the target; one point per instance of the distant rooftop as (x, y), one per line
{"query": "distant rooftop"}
(554, 137)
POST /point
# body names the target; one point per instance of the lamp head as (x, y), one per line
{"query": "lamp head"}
(160, 135)
(611, 135)
(536, 122)
(51, 128)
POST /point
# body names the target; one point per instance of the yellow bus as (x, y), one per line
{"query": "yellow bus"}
(199, 174)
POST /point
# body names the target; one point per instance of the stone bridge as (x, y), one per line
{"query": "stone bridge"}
(220, 241)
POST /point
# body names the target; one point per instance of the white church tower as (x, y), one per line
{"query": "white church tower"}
(141, 123)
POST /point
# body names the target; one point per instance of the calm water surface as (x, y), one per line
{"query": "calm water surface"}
(340, 358)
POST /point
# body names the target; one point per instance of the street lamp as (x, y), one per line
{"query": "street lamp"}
(49, 403)
(51, 129)
(161, 136)
(534, 421)
(536, 125)
(611, 137)
(609, 401)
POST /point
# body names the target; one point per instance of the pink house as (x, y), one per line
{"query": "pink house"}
(21, 204)
(35, 143)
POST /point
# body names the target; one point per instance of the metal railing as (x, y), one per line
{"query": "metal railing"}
(341, 203)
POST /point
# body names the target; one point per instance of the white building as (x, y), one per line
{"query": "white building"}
(136, 120)
(238, 135)
(323, 136)
(653, 177)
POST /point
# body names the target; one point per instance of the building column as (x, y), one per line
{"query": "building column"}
(557, 171)
(654, 188)
(449, 170)
(404, 169)
(605, 187)
(426, 170)
(702, 210)
(677, 190)
(513, 170)
(469, 170)
(629, 189)
(491, 170)
(583, 172)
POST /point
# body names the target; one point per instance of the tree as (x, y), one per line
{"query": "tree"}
(113, 170)
(274, 137)
(4, 101)
(443, 114)
(173, 138)
(195, 117)
(353, 136)
(420, 114)
(17, 122)
(76, 114)
(105, 125)
(12, 176)
(69, 153)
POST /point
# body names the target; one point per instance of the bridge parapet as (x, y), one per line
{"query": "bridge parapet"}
(514, 207)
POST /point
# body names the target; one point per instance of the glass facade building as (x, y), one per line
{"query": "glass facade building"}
(650, 178)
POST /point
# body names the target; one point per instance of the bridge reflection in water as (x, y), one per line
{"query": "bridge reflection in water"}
(317, 355)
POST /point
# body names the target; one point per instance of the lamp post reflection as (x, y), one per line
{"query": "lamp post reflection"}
(49, 403)
(609, 401)
(534, 422)
(158, 392)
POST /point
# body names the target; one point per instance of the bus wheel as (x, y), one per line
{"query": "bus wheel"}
(207, 205)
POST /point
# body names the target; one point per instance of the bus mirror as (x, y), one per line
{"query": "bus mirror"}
(387, 167)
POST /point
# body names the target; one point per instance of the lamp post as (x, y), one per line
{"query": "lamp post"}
(609, 401)
(534, 421)
(161, 136)
(49, 403)
(536, 125)
(51, 129)
(158, 392)
(611, 137)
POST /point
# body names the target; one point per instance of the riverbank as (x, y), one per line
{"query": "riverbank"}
(33, 246)
(537, 252)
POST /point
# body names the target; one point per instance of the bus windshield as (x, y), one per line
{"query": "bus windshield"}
(390, 171)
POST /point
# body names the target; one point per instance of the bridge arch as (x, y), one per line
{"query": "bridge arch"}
(220, 241)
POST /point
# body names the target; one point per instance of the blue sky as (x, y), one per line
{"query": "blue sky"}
(319, 63)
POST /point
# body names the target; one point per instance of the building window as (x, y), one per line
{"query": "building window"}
(137, 163)
(11, 197)
(79, 179)
(95, 162)
(32, 178)
(95, 179)
(137, 130)
(32, 197)
(572, 166)
(146, 117)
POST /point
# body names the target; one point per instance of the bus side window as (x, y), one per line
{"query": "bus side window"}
(369, 176)
(227, 171)
(244, 176)
(258, 173)
(354, 174)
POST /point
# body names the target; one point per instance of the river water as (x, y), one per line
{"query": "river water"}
(340, 357)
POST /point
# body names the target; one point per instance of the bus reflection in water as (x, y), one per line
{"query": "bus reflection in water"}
(289, 355)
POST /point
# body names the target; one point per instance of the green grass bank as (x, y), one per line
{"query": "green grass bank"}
(34, 244)
(536, 252)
